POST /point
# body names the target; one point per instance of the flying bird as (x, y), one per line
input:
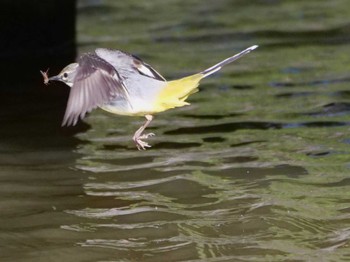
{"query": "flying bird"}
(122, 84)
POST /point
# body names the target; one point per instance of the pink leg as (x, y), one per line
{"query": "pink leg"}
(141, 145)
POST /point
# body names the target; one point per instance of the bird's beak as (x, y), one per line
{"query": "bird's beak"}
(54, 78)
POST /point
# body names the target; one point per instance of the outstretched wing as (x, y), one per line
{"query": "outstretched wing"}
(96, 83)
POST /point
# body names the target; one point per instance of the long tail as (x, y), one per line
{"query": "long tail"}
(177, 91)
(218, 66)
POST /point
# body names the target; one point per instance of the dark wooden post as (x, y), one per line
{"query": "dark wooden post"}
(34, 35)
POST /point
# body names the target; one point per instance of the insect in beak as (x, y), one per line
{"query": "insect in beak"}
(45, 76)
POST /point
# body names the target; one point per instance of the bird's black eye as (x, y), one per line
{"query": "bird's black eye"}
(65, 75)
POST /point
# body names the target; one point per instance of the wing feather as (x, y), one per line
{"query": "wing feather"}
(129, 64)
(96, 83)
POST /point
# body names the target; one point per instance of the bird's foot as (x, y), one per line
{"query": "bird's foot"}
(145, 136)
(142, 145)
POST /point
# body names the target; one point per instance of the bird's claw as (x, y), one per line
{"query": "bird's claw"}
(142, 145)
(145, 136)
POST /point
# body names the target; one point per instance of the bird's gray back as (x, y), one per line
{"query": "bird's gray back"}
(141, 81)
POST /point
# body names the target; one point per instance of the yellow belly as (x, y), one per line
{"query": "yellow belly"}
(175, 93)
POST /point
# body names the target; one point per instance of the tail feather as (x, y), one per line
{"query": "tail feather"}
(176, 92)
(218, 66)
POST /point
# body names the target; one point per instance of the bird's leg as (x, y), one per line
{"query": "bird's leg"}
(141, 145)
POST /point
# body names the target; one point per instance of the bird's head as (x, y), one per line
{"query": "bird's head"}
(67, 75)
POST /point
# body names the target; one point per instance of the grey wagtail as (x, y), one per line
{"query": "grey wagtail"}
(123, 84)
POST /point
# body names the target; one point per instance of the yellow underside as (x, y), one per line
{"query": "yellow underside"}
(176, 92)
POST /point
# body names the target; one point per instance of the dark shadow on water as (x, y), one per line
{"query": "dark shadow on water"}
(114, 147)
(225, 127)
(325, 124)
(310, 83)
(331, 109)
(314, 124)
(243, 87)
(344, 94)
(248, 143)
(342, 183)
(212, 116)
(33, 120)
(256, 174)
(175, 145)
(237, 87)
(318, 154)
(214, 139)
(240, 159)
(137, 160)
(294, 95)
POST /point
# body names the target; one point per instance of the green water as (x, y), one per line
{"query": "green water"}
(255, 169)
